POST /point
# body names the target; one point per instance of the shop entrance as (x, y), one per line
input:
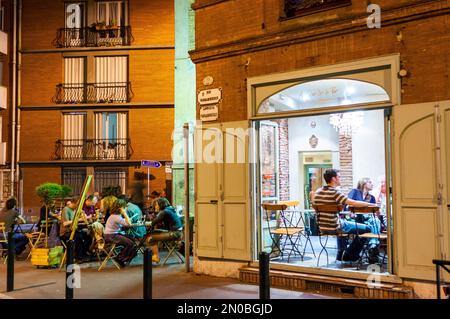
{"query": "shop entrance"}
(294, 154)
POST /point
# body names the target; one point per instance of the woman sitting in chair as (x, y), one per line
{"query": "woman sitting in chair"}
(172, 226)
(114, 232)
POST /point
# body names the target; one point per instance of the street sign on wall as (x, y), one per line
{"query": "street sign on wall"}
(209, 113)
(152, 164)
(211, 96)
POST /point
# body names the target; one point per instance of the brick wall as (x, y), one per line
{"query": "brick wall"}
(152, 22)
(283, 161)
(40, 21)
(420, 40)
(40, 75)
(152, 76)
(150, 131)
(346, 163)
(33, 177)
(39, 132)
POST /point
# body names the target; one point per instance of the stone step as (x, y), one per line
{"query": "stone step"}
(327, 284)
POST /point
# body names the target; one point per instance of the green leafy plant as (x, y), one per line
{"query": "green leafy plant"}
(49, 193)
(66, 190)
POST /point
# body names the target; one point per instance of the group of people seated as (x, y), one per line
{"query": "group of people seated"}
(113, 218)
(123, 223)
(359, 224)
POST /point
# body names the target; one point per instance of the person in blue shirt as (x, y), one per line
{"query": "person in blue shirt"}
(171, 225)
(135, 215)
(362, 193)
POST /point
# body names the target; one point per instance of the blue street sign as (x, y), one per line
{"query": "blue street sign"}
(153, 164)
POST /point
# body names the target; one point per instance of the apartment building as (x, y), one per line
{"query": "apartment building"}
(96, 93)
(5, 99)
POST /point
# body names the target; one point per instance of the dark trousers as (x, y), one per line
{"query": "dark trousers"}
(82, 243)
(20, 242)
(128, 252)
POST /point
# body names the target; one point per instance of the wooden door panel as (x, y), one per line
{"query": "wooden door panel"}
(415, 190)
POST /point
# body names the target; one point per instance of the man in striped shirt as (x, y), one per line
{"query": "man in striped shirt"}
(329, 195)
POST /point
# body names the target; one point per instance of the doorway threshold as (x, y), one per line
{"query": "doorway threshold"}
(336, 273)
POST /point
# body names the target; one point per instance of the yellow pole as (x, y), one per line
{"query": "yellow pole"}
(87, 182)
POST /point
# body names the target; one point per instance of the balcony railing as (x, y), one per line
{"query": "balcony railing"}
(93, 149)
(76, 93)
(294, 8)
(93, 37)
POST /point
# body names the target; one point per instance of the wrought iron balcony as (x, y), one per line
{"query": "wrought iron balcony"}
(93, 149)
(294, 8)
(76, 93)
(93, 37)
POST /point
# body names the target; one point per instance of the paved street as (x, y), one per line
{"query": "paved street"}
(169, 282)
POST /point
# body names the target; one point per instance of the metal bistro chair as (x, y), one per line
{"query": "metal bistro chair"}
(295, 219)
(328, 222)
(283, 229)
(382, 238)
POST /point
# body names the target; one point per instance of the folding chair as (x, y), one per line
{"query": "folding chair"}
(35, 239)
(3, 242)
(172, 247)
(110, 252)
(328, 222)
(282, 229)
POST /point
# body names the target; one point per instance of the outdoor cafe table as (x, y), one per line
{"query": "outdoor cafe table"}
(24, 228)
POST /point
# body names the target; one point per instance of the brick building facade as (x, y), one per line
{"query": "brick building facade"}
(96, 93)
(240, 40)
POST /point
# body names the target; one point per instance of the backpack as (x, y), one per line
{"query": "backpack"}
(353, 250)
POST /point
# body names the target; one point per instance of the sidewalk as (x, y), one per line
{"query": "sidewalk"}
(169, 282)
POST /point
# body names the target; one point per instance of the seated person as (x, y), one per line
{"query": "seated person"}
(329, 195)
(89, 208)
(381, 201)
(361, 193)
(172, 225)
(10, 216)
(81, 238)
(115, 233)
(134, 214)
(107, 202)
(50, 213)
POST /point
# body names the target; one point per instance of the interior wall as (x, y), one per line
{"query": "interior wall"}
(368, 148)
(300, 132)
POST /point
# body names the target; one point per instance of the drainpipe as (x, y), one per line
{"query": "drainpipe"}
(14, 102)
(19, 75)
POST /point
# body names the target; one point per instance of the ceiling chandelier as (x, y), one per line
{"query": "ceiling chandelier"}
(347, 123)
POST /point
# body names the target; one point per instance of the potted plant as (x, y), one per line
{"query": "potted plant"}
(101, 28)
(48, 193)
(113, 28)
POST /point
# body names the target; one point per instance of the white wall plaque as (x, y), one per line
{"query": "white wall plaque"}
(212, 96)
(209, 113)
